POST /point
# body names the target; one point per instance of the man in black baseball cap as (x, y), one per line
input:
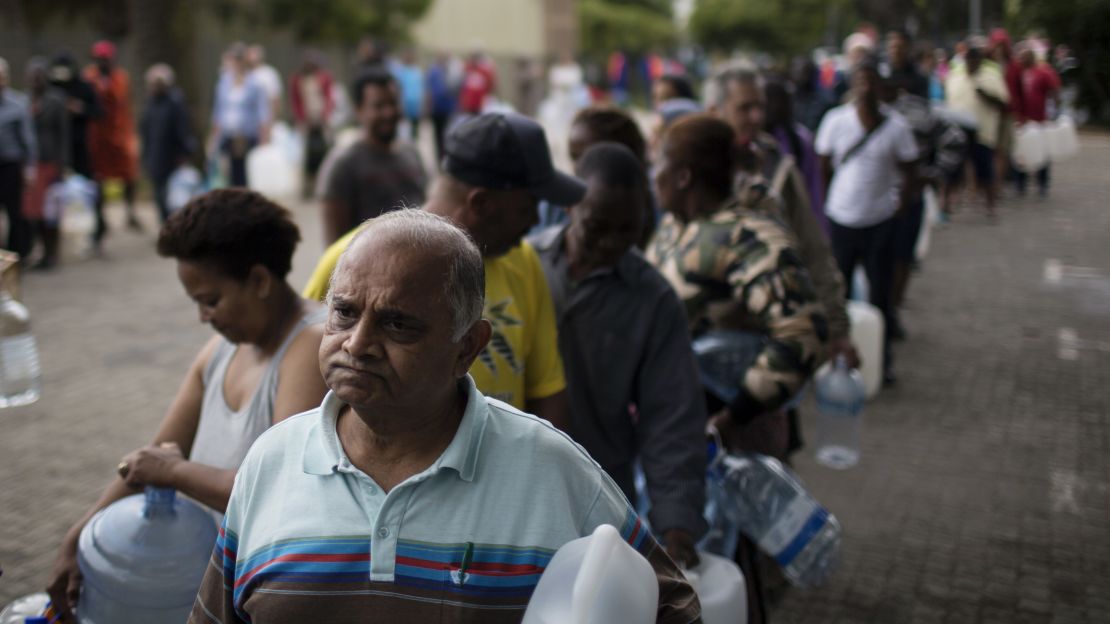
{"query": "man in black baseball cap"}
(496, 168)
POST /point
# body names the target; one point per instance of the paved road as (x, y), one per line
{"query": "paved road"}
(982, 495)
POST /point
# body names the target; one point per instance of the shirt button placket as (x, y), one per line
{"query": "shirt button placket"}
(383, 547)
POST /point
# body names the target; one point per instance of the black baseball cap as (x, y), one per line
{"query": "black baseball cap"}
(508, 151)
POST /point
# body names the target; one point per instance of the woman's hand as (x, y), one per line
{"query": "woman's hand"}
(65, 582)
(151, 465)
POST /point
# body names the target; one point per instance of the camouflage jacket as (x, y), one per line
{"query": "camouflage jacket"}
(793, 209)
(737, 269)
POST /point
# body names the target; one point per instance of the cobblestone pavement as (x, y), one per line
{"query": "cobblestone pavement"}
(982, 494)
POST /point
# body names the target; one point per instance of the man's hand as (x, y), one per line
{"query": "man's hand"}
(720, 425)
(680, 547)
(843, 346)
(152, 465)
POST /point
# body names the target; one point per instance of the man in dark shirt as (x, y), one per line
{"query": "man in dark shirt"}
(901, 72)
(83, 107)
(375, 174)
(167, 139)
(632, 381)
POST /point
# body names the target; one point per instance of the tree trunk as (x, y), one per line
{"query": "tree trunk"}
(17, 39)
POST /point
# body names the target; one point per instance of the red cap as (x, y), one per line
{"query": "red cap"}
(104, 50)
(999, 35)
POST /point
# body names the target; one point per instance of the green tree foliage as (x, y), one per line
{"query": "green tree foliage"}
(632, 26)
(775, 26)
(345, 21)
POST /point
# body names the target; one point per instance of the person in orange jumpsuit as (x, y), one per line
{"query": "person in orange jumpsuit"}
(112, 138)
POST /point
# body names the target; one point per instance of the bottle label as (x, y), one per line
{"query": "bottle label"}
(792, 532)
(839, 408)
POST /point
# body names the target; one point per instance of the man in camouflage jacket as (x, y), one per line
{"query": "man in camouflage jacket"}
(738, 269)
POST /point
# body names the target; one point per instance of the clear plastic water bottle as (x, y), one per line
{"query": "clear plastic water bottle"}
(143, 558)
(723, 533)
(841, 393)
(769, 505)
(20, 375)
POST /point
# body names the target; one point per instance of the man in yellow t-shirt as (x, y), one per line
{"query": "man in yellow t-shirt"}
(496, 168)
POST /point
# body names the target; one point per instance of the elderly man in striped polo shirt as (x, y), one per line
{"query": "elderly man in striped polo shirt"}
(408, 496)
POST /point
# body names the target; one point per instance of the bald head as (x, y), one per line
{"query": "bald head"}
(415, 231)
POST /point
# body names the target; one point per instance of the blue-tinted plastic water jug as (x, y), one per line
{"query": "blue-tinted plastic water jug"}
(841, 393)
(143, 558)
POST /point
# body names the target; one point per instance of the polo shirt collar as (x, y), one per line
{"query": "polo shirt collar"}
(323, 453)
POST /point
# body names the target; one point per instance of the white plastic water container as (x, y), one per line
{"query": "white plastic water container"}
(867, 335)
(24, 607)
(595, 580)
(929, 219)
(1062, 139)
(184, 184)
(721, 590)
(78, 219)
(840, 397)
(1030, 151)
(270, 172)
(143, 558)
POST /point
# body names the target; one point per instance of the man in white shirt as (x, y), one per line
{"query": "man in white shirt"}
(867, 155)
(978, 88)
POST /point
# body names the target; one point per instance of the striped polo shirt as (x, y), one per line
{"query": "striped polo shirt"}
(309, 537)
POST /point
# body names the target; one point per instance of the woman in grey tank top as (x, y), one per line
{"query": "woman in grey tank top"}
(234, 249)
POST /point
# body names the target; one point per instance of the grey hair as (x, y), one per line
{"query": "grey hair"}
(742, 73)
(160, 71)
(4, 69)
(465, 283)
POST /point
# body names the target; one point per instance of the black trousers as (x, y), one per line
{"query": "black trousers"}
(1021, 179)
(439, 129)
(237, 149)
(874, 248)
(161, 198)
(11, 196)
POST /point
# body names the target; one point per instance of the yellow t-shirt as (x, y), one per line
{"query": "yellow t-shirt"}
(522, 360)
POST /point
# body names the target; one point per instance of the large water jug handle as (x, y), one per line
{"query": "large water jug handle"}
(159, 502)
(588, 582)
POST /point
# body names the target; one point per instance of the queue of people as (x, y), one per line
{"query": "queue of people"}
(80, 122)
(443, 329)
(456, 392)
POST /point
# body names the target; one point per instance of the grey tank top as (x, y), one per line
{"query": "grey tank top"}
(224, 435)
